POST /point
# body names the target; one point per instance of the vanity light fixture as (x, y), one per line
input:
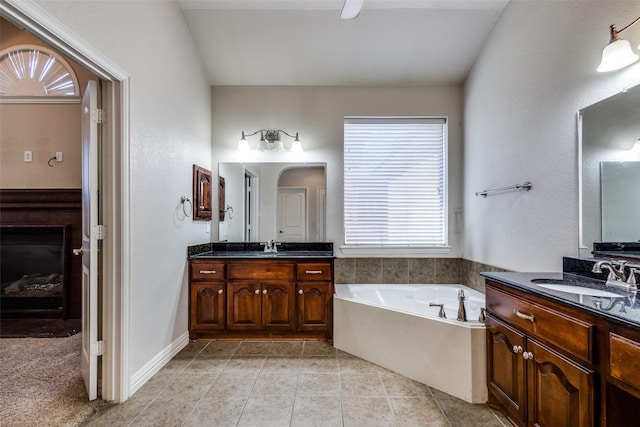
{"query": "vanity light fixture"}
(618, 53)
(351, 9)
(270, 140)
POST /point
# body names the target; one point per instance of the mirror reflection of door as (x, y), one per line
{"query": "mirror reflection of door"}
(250, 198)
(322, 200)
(620, 195)
(292, 214)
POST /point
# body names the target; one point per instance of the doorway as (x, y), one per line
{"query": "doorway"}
(114, 167)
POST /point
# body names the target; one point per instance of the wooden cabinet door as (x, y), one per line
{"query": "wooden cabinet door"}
(207, 306)
(244, 304)
(560, 392)
(506, 368)
(314, 306)
(278, 306)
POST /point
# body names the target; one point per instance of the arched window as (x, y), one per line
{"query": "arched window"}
(35, 71)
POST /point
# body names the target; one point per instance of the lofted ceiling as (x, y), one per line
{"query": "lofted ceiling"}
(304, 42)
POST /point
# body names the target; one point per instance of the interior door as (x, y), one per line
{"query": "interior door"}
(90, 236)
(292, 214)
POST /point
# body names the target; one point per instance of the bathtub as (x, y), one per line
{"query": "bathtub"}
(394, 327)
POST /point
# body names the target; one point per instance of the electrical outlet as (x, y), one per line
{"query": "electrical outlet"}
(28, 156)
(59, 156)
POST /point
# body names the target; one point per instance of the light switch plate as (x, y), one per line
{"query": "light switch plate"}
(59, 156)
(28, 156)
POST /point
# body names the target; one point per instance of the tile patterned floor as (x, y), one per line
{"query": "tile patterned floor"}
(286, 383)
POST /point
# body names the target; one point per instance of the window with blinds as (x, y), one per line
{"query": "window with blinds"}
(395, 181)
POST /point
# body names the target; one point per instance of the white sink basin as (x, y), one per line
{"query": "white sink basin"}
(579, 290)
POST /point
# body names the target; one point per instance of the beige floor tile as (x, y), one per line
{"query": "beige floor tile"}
(120, 414)
(192, 349)
(318, 348)
(216, 411)
(243, 364)
(153, 387)
(319, 364)
(267, 411)
(192, 385)
(355, 365)
(275, 383)
(361, 385)
(367, 412)
(255, 348)
(165, 412)
(317, 411)
(220, 348)
(233, 384)
(417, 411)
(286, 348)
(314, 384)
(464, 414)
(207, 364)
(398, 385)
(281, 364)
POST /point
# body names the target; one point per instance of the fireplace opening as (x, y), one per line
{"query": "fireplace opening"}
(33, 270)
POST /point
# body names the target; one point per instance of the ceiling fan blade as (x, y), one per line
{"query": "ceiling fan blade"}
(351, 9)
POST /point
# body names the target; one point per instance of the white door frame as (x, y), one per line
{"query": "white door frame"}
(116, 279)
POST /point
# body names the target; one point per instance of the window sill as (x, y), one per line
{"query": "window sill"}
(394, 251)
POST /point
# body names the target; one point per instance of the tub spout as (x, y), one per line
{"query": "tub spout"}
(462, 313)
(483, 313)
(441, 313)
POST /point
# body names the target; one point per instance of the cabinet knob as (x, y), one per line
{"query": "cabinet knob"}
(517, 349)
(300, 291)
(264, 291)
(220, 291)
(257, 291)
(527, 355)
(78, 252)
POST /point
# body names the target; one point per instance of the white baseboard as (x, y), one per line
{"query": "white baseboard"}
(154, 365)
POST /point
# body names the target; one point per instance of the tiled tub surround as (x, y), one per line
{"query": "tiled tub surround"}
(286, 383)
(443, 353)
(412, 271)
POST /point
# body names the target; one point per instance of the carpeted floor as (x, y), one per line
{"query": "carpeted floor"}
(41, 383)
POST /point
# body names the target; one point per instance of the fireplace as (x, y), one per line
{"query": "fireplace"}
(39, 276)
(33, 270)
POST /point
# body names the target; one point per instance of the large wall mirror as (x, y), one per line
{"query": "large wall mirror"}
(282, 201)
(610, 170)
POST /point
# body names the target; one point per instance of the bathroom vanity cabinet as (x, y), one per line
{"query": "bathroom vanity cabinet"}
(261, 298)
(554, 364)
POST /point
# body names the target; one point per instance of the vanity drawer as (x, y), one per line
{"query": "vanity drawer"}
(207, 271)
(624, 360)
(314, 271)
(260, 271)
(568, 333)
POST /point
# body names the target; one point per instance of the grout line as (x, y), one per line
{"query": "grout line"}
(446, 417)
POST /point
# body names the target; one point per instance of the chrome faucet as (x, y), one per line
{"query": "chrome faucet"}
(617, 276)
(598, 304)
(270, 246)
(462, 313)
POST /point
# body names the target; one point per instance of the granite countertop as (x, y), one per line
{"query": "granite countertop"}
(604, 294)
(263, 255)
(255, 250)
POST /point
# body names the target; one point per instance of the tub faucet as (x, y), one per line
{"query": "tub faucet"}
(483, 315)
(462, 313)
(441, 313)
(271, 246)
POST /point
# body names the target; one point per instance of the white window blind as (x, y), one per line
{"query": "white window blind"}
(394, 182)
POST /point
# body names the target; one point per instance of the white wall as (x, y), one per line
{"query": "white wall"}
(170, 130)
(318, 114)
(535, 72)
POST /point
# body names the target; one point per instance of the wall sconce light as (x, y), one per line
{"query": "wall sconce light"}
(618, 53)
(270, 140)
(636, 146)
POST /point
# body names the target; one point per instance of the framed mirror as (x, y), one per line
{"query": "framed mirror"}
(281, 201)
(608, 165)
(202, 194)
